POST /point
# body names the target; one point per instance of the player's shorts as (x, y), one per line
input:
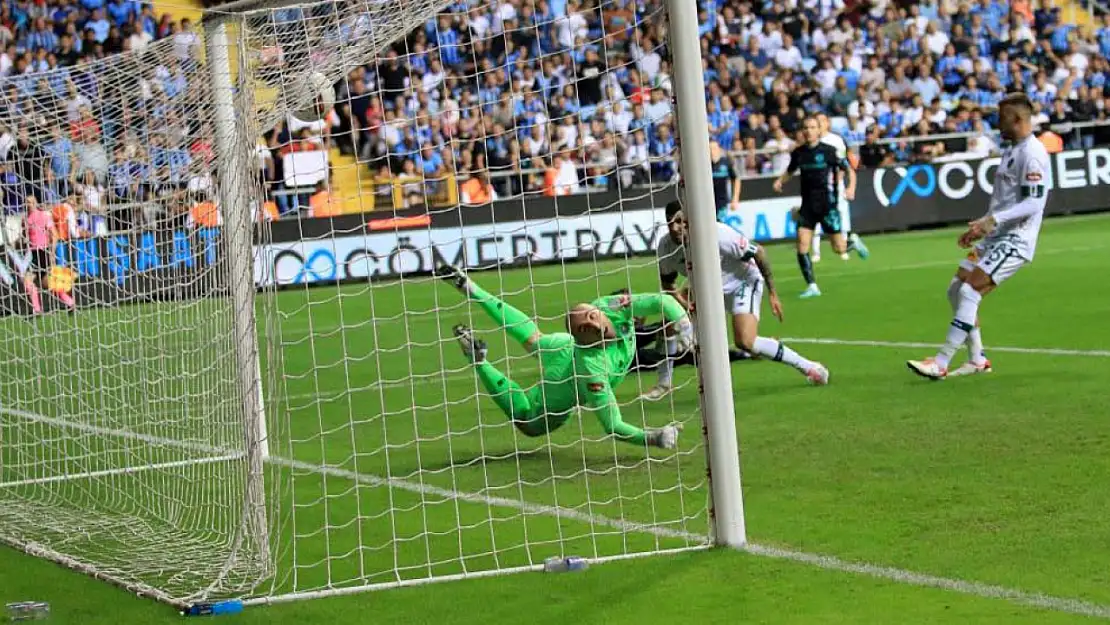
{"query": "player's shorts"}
(40, 263)
(998, 259)
(747, 299)
(810, 215)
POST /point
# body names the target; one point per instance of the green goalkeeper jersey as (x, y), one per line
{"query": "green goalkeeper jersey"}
(586, 376)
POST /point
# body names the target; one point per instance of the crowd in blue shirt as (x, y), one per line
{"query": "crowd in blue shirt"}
(587, 72)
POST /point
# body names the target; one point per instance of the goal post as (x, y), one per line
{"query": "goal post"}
(718, 410)
(267, 407)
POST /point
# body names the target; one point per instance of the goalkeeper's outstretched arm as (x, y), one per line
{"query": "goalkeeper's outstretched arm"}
(597, 396)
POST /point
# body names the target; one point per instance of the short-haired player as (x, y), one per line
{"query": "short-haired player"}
(819, 167)
(845, 194)
(1003, 241)
(745, 275)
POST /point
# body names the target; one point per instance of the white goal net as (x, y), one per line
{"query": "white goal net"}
(230, 371)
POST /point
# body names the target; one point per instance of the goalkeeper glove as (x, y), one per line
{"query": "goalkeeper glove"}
(686, 339)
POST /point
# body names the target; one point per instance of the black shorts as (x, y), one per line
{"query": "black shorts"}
(40, 263)
(824, 213)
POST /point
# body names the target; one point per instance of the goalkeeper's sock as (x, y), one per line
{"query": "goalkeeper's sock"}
(806, 265)
(518, 325)
(666, 366)
(778, 352)
(36, 298)
(508, 395)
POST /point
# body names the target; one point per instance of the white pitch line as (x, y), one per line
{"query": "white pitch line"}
(1048, 602)
(1044, 351)
(911, 578)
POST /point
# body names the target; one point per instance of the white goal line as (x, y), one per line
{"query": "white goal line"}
(1038, 600)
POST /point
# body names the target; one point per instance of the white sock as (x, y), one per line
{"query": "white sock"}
(975, 346)
(963, 322)
(975, 336)
(776, 351)
(954, 294)
(666, 366)
(816, 247)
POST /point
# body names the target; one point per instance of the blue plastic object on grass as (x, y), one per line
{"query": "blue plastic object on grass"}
(233, 606)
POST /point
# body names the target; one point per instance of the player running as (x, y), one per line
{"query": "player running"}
(819, 165)
(579, 368)
(845, 194)
(745, 270)
(1009, 234)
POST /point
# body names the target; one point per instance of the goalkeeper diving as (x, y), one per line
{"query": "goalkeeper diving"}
(579, 368)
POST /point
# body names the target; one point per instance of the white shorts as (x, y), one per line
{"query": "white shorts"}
(747, 299)
(998, 259)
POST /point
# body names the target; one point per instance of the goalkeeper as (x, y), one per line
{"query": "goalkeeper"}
(579, 368)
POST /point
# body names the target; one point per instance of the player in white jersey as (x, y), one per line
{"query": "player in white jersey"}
(1006, 235)
(844, 205)
(745, 275)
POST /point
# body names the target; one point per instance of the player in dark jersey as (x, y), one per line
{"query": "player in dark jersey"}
(726, 182)
(818, 165)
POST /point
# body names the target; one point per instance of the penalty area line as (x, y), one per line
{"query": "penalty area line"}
(1043, 351)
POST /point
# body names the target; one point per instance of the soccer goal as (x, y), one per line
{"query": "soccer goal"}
(260, 394)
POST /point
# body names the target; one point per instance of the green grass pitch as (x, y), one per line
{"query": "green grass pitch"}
(996, 480)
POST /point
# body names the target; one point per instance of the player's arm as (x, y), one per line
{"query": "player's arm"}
(1032, 177)
(668, 280)
(850, 173)
(791, 169)
(655, 304)
(764, 264)
(596, 396)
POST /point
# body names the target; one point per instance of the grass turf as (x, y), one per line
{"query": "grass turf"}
(995, 479)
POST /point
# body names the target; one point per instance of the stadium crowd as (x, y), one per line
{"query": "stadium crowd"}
(577, 92)
(537, 96)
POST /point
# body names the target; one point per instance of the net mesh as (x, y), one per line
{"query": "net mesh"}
(122, 445)
(398, 465)
(121, 430)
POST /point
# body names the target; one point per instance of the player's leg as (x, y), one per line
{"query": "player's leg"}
(745, 306)
(977, 360)
(806, 225)
(32, 279)
(518, 405)
(855, 242)
(831, 224)
(998, 263)
(517, 325)
(815, 247)
(665, 365)
(32, 290)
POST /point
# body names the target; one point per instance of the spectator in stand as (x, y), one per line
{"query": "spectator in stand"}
(477, 190)
(40, 239)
